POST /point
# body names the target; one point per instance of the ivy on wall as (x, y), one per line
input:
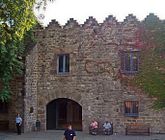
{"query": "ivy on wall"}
(151, 77)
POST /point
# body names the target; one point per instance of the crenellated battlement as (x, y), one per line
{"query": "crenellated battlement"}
(131, 18)
(109, 31)
(109, 21)
(71, 23)
(91, 22)
(54, 24)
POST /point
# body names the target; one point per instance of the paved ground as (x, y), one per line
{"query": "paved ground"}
(58, 135)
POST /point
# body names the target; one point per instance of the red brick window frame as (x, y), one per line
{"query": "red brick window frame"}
(131, 108)
(129, 61)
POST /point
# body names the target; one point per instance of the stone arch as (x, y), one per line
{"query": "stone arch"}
(62, 111)
(75, 97)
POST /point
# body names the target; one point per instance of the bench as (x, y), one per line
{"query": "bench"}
(137, 129)
(4, 125)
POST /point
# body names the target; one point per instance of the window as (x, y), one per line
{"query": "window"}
(3, 107)
(129, 61)
(131, 108)
(63, 63)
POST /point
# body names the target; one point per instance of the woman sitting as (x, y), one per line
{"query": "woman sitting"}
(93, 128)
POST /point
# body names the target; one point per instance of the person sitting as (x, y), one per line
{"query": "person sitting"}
(94, 127)
(107, 127)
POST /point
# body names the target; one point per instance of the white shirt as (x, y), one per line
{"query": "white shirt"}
(107, 125)
(18, 120)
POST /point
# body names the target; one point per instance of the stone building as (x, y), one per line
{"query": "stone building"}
(72, 76)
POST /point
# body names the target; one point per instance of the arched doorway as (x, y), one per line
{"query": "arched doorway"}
(62, 111)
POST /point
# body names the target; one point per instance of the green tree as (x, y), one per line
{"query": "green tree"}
(151, 77)
(16, 18)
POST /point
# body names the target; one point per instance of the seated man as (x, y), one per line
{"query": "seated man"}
(93, 127)
(107, 128)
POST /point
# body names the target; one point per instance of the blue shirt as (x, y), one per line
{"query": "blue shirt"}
(18, 120)
(107, 125)
(69, 134)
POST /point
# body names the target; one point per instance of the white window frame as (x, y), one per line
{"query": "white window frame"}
(64, 62)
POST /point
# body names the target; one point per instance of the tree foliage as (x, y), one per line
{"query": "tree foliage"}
(151, 77)
(16, 18)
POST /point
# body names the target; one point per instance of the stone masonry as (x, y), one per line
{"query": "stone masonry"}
(93, 80)
(94, 65)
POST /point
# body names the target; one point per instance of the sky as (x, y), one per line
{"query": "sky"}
(80, 10)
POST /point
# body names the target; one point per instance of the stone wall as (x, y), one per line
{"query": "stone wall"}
(15, 104)
(30, 98)
(92, 81)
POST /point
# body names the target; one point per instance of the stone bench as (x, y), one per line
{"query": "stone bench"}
(137, 129)
(4, 125)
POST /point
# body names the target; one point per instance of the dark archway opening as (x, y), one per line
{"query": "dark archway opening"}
(62, 111)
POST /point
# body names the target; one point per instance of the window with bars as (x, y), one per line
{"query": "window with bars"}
(131, 108)
(63, 63)
(129, 61)
(3, 107)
